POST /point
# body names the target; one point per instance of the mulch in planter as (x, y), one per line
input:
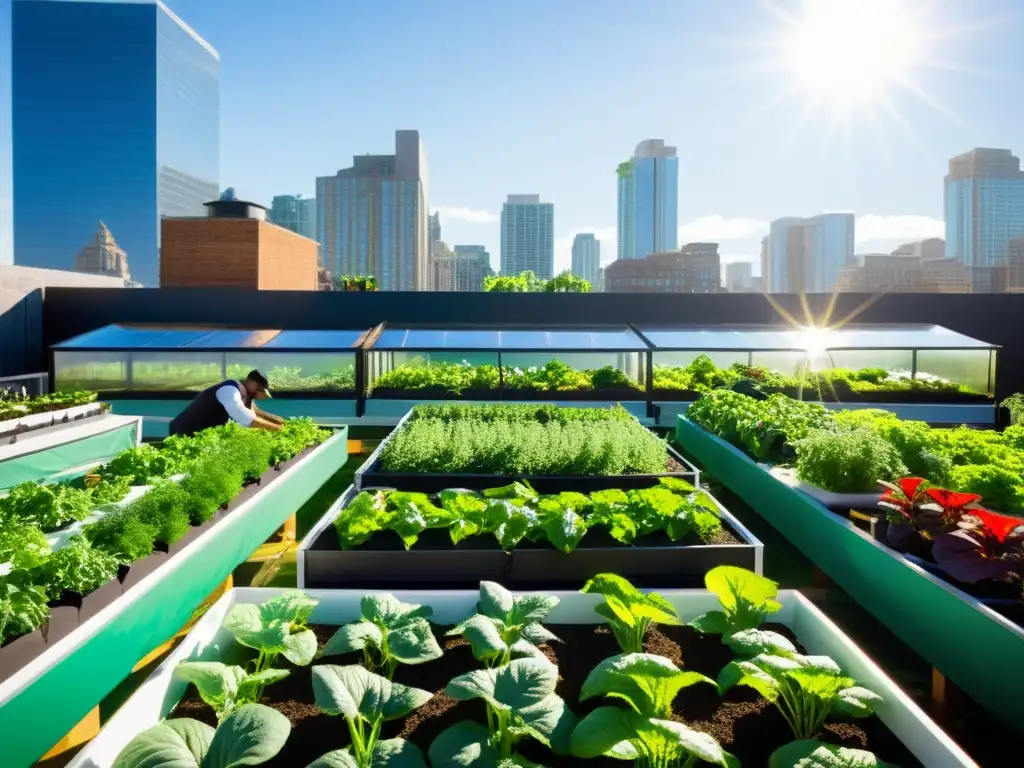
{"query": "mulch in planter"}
(743, 722)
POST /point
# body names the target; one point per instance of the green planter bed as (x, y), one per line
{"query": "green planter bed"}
(50, 694)
(46, 455)
(950, 629)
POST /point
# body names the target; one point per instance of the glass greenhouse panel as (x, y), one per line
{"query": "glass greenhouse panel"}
(185, 371)
(969, 368)
(297, 371)
(619, 374)
(428, 339)
(95, 371)
(431, 374)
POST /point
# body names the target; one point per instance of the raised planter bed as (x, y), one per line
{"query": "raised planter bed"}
(898, 723)
(433, 562)
(372, 475)
(135, 613)
(929, 613)
(509, 395)
(35, 421)
(46, 454)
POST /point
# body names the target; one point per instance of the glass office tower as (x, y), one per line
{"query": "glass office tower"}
(115, 118)
(648, 201)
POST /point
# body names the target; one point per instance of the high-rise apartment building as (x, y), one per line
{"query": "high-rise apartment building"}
(739, 277)
(294, 212)
(372, 217)
(528, 236)
(434, 230)
(462, 270)
(807, 255)
(115, 118)
(694, 268)
(648, 188)
(586, 258)
(984, 197)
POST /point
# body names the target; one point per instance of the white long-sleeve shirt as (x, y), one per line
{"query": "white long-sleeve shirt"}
(229, 397)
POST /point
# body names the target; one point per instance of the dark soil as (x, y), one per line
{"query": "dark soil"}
(744, 723)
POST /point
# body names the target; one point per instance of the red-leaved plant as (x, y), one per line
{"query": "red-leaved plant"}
(927, 510)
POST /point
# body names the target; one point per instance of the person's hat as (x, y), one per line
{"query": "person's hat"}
(261, 379)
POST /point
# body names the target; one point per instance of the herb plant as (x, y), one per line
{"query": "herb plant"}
(78, 567)
(521, 703)
(251, 735)
(847, 462)
(628, 611)
(226, 688)
(505, 626)
(647, 732)
(388, 633)
(123, 534)
(367, 701)
(747, 600)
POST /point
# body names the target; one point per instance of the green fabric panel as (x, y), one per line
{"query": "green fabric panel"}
(974, 651)
(41, 714)
(52, 463)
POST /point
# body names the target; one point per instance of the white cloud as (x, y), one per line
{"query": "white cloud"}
(465, 214)
(715, 228)
(906, 228)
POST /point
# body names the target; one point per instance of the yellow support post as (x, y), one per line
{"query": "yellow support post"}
(86, 730)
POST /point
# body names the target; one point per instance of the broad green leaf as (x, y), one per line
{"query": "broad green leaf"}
(517, 761)
(606, 731)
(649, 683)
(408, 521)
(752, 642)
(745, 596)
(677, 485)
(353, 637)
(703, 745)
(495, 601)
(300, 648)
(621, 526)
(566, 531)
(856, 701)
(245, 622)
(513, 686)
(652, 605)
(483, 637)
(397, 753)
(462, 529)
(414, 643)
(680, 525)
(529, 609)
(463, 745)
(292, 607)
(267, 677)
(338, 758)
(711, 623)
(390, 612)
(817, 754)
(216, 682)
(250, 735)
(353, 691)
(538, 634)
(178, 743)
(551, 723)
(615, 610)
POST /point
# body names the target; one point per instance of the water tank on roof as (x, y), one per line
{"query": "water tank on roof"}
(235, 209)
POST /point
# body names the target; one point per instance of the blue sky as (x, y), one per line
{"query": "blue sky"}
(548, 96)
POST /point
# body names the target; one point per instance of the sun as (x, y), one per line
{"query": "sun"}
(852, 52)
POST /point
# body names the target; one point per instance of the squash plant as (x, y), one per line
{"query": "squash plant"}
(746, 598)
(505, 626)
(628, 611)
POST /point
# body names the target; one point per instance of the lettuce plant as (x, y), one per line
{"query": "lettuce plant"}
(367, 701)
(275, 628)
(747, 600)
(647, 732)
(78, 567)
(48, 506)
(389, 632)
(818, 754)
(521, 703)
(505, 626)
(805, 689)
(251, 735)
(22, 608)
(226, 688)
(629, 611)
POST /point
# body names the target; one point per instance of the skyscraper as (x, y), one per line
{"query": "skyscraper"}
(739, 277)
(648, 201)
(807, 255)
(528, 236)
(294, 212)
(372, 217)
(434, 230)
(115, 117)
(984, 195)
(586, 258)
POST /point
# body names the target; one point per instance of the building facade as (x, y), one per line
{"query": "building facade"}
(807, 255)
(586, 259)
(984, 205)
(463, 269)
(919, 267)
(103, 256)
(294, 212)
(648, 201)
(739, 277)
(116, 113)
(528, 236)
(372, 217)
(695, 268)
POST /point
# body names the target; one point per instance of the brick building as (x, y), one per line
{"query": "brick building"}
(235, 246)
(694, 268)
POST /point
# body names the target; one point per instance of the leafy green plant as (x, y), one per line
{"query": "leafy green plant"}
(367, 701)
(110, 491)
(23, 545)
(648, 732)
(628, 611)
(123, 534)
(805, 689)
(226, 688)
(22, 608)
(521, 703)
(1015, 405)
(48, 506)
(505, 626)
(78, 567)
(250, 735)
(999, 488)
(165, 508)
(139, 465)
(389, 632)
(818, 754)
(746, 598)
(277, 627)
(209, 486)
(847, 462)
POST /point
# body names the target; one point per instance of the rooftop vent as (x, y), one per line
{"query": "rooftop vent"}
(235, 209)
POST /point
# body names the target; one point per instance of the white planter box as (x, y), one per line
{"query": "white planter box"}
(160, 692)
(49, 418)
(830, 499)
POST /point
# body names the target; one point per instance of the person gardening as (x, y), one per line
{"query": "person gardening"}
(228, 401)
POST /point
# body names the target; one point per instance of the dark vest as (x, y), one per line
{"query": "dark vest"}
(205, 410)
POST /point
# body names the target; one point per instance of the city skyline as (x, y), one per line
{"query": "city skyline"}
(733, 180)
